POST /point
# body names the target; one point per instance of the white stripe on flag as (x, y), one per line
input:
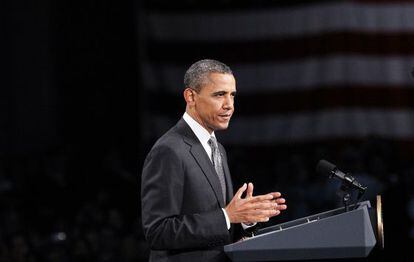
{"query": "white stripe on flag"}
(303, 127)
(303, 74)
(284, 22)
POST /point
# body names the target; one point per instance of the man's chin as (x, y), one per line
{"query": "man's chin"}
(221, 126)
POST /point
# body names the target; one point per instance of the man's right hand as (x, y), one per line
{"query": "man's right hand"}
(251, 209)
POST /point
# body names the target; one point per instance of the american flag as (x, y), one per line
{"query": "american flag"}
(306, 71)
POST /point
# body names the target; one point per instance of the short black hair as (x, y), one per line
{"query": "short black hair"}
(195, 76)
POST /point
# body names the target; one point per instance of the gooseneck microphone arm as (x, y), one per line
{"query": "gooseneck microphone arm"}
(328, 169)
(349, 183)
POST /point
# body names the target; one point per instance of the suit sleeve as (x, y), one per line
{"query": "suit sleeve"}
(162, 192)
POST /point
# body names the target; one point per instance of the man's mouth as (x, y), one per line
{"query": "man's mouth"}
(225, 116)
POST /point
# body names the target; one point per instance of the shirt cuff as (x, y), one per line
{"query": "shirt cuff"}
(227, 218)
(247, 225)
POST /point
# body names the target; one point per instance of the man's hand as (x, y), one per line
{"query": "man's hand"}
(281, 202)
(253, 209)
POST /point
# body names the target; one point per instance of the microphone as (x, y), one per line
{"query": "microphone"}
(328, 169)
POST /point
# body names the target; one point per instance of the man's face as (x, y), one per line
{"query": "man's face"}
(214, 103)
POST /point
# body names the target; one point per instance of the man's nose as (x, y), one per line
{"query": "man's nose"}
(228, 103)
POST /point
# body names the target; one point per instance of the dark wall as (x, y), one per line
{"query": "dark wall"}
(69, 131)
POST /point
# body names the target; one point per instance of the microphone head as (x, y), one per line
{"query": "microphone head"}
(325, 168)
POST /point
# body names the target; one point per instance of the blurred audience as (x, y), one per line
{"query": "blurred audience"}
(46, 214)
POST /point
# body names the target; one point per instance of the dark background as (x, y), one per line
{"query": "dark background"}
(73, 115)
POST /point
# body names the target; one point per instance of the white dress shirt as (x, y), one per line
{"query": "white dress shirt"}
(203, 136)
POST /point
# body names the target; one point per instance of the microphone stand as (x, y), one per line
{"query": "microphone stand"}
(345, 192)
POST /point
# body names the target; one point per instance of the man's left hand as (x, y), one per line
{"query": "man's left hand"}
(277, 198)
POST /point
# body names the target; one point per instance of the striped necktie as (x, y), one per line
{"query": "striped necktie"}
(218, 164)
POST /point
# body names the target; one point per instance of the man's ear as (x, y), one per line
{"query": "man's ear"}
(189, 96)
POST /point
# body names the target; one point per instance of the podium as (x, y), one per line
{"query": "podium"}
(338, 233)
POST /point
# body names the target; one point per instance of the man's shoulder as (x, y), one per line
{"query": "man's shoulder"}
(173, 139)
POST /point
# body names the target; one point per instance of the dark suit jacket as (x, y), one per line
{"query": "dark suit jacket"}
(182, 200)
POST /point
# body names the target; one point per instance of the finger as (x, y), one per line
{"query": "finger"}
(259, 218)
(264, 206)
(276, 194)
(265, 219)
(270, 213)
(276, 213)
(281, 207)
(277, 200)
(240, 192)
(249, 190)
(280, 200)
(270, 201)
(262, 216)
(261, 198)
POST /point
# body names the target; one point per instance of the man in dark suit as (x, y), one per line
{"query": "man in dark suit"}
(188, 207)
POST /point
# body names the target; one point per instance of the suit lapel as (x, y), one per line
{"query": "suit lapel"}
(205, 164)
(200, 156)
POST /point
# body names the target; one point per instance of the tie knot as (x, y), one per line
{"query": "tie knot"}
(213, 142)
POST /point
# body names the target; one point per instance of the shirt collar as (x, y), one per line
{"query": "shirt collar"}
(201, 133)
